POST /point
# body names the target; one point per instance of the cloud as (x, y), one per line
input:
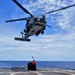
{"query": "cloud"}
(43, 42)
(66, 20)
(45, 46)
(40, 6)
(58, 41)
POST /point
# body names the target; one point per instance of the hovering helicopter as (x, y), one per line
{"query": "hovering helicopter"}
(34, 25)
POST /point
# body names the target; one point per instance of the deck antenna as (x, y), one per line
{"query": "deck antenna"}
(32, 57)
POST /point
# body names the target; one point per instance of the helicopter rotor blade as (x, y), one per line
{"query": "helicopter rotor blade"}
(22, 8)
(60, 9)
(17, 20)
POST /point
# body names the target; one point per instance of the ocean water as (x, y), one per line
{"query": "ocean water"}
(40, 64)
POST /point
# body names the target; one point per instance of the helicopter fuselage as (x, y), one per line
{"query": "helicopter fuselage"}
(35, 26)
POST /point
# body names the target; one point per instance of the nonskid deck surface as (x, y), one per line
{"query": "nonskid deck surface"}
(41, 71)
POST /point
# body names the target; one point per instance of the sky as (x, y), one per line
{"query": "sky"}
(58, 42)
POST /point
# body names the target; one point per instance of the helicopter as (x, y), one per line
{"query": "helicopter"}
(34, 25)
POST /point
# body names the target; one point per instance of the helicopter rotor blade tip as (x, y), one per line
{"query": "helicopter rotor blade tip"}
(25, 10)
(59, 9)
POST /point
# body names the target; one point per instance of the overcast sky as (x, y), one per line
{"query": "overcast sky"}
(58, 42)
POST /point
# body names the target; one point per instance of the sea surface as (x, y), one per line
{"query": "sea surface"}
(40, 64)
